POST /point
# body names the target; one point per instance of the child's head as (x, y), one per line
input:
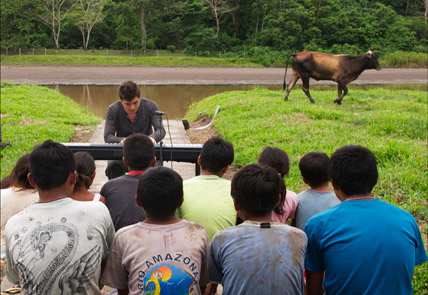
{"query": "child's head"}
(353, 169)
(275, 158)
(138, 151)
(216, 154)
(256, 189)
(314, 168)
(278, 160)
(51, 164)
(160, 191)
(18, 176)
(85, 168)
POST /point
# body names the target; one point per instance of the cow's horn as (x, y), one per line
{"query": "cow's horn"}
(370, 52)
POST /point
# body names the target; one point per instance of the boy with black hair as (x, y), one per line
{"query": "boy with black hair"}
(130, 115)
(118, 193)
(207, 199)
(241, 254)
(314, 169)
(162, 254)
(57, 246)
(364, 245)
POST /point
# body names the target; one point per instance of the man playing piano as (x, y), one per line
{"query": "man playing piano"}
(129, 115)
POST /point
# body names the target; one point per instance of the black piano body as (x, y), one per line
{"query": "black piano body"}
(114, 151)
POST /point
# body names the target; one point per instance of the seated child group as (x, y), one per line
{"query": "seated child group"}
(150, 232)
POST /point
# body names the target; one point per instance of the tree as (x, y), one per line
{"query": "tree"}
(53, 12)
(86, 14)
(218, 8)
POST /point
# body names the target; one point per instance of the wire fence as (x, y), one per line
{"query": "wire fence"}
(115, 52)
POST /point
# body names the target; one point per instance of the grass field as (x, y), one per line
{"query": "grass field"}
(31, 114)
(393, 124)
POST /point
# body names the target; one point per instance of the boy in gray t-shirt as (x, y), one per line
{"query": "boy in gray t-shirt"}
(313, 167)
(162, 254)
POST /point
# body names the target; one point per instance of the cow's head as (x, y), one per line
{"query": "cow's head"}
(372, 61)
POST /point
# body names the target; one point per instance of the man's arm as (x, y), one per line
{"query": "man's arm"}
(110, 128)
(314, 283)
(156, 121)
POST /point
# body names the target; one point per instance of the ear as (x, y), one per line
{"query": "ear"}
(31, 180)
(334, 185)
(124, 162)
(224, 170)
(304, 180)
(180, 203)
(72, 178)
(94, 174)
(237, 206)
(153, 162)
(199, 160)
(138, 201)
(279, 201)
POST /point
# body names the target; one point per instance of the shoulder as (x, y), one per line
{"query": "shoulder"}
(147, 103)
(114, 106)
(193, 226)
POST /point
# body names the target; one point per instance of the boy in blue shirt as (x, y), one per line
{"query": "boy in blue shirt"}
(364, 245)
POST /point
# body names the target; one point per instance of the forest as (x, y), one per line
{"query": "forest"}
(228, 26)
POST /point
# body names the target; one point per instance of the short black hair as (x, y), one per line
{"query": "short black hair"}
(256, 188)
(128, 90)
(275, 158)
(85, 167)
(138, 151)
(19, 173)
(314, 168)
(160, 191)
(353, 169)
(216, 154)
(50, 164)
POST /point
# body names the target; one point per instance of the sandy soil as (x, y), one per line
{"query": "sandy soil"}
(108, 75)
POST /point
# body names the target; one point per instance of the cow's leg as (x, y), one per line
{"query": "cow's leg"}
(291, 84)
(341, 86)
(305, 88)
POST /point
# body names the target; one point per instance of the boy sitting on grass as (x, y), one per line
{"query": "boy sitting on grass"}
(163, 254)
(314, 169)
(258, 256)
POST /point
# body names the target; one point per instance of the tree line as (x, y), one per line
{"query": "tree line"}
(337, 26)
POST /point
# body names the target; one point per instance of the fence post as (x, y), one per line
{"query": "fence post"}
(132, 52)
(195, 53)
(220, 53)
(33, 50)
(157, 53)
(208, 53)
(144, 52)
(7, 51)
(19, 51)
(107, 51)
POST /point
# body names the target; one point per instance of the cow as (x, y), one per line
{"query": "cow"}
(343, 69)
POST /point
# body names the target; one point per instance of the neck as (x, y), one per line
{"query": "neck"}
(321, 188)
(171, 219)
(207, 172)
(258, 218)
(359, 197)
(52, 195)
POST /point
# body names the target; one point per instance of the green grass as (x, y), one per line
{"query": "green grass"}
(32, 114)
(401, 59)
(152, 61)
(391, 123)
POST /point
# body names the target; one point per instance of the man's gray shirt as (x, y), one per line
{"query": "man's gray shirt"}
(118, 126)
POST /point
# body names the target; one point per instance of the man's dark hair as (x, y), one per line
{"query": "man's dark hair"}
(314, 168)
(138, 151)
(50, 164)
(256, 188)
(85, 167)
(159, 191)
(19, 173)
(128, 90)
(216, 154)
(353, 169)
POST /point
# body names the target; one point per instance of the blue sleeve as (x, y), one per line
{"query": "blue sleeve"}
(314, 260)
(214, 266)
(420, 253)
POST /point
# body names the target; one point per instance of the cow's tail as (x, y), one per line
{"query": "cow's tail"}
(284, 84)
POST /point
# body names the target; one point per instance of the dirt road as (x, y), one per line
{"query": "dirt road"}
(108, 75)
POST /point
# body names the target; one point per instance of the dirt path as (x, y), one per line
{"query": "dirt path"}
(109, 75)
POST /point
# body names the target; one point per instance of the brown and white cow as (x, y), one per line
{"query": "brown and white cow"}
(343, 69)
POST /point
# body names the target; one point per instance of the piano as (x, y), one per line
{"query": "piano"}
(114, 151)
